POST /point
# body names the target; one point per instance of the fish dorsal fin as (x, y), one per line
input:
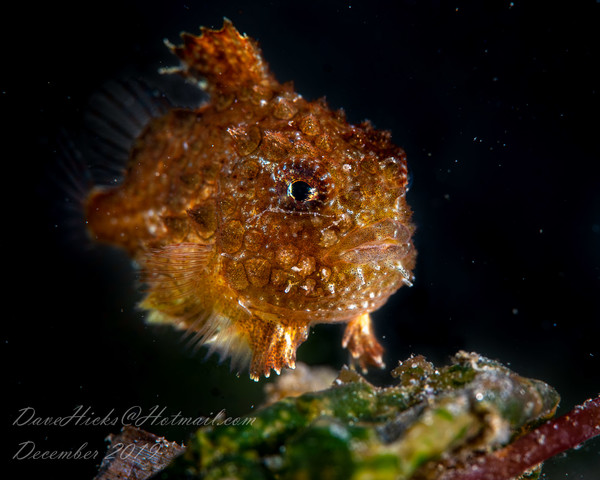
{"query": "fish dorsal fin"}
(225, 62)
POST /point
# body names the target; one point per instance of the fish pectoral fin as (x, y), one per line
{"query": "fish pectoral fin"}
(360, 340)
(225, 62)
(176, 276)
(274, 346)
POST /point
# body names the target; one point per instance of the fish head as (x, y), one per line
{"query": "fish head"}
(313, 213)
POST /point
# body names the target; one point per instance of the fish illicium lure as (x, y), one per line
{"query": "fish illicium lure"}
(259, 213)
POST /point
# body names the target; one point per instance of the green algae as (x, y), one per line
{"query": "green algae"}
(429, 420)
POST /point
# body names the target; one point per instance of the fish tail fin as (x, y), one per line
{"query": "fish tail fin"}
(92, 154)
(70, 178)
(115, 116)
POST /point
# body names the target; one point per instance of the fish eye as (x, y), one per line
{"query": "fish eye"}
(302, 184)
(301, 191)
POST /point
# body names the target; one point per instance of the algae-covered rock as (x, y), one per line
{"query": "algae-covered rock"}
(429, 421)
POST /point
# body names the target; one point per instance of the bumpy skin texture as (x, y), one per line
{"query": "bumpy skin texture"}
(260, 213)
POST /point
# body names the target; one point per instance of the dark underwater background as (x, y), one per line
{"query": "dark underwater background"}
(496, 104)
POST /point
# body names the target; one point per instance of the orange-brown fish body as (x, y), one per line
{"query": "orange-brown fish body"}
(260, 213)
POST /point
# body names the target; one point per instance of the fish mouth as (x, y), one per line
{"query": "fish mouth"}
(386, 240)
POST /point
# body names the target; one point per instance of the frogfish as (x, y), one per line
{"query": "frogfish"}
(259, 213)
